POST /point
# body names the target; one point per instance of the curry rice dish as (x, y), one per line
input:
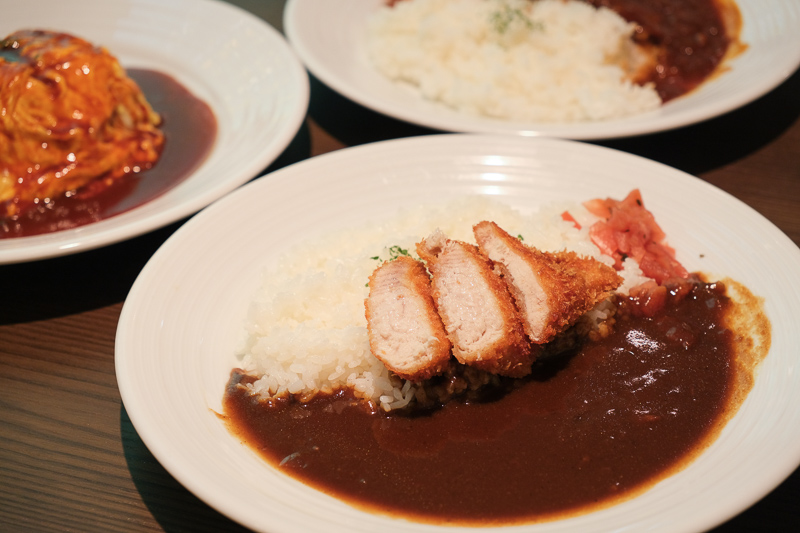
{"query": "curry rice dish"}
(616, 382)
(558, 61)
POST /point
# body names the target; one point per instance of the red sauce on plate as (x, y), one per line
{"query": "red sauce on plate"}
(190, 129)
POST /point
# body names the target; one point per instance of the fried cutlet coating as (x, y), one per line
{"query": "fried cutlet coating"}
(551, 290)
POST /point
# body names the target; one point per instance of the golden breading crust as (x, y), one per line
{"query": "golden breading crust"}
(552, 290)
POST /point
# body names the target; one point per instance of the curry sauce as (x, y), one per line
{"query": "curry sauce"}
(586, 429)
(687, 39)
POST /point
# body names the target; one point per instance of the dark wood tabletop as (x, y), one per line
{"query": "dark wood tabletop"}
(70, 459)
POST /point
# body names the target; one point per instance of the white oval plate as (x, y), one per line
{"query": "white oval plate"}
(235, 62)
(184, 318)
(329, 38)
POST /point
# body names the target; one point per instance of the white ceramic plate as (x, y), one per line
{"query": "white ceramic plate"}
(184, 317)
(329, 38)
(238, 64)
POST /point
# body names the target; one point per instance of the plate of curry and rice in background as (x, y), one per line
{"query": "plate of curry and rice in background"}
(136, 113)
(579, 69)
(357, 353)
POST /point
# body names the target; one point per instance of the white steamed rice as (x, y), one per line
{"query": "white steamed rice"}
(543, 61)
(306, 329)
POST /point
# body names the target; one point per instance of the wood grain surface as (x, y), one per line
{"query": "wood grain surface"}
(70, 460)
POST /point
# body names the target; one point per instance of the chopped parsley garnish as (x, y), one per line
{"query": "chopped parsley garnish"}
(503, 18)
(394, 252)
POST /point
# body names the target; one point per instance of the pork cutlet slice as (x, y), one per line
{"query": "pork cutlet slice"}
(476, 308)
(551, 290)
(405, 331)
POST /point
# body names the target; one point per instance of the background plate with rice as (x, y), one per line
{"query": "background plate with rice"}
(330, 39)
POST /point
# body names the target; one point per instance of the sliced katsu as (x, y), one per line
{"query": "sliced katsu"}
(405, 331)
(551, 290)
(476, 308)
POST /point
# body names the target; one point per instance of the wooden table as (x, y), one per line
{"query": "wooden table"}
(70, 460)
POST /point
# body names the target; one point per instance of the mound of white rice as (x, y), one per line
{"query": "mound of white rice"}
(307, 331)
(546, 60)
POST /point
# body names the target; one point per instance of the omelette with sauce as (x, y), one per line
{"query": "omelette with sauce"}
(70, 120)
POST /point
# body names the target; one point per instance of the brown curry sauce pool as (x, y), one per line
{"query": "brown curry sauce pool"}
(692, 38)
(586, 430)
